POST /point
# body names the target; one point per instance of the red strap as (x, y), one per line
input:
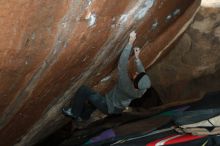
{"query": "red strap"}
(174, 139)
(184, 138)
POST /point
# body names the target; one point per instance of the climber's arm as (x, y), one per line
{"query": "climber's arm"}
(139, 64)
(123, 61)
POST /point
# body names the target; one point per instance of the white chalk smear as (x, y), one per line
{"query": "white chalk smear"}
(105, 79)
(137, 12)
(144, 9)
(89, 2)
(154, 25)
(168, 17)
(176, 12)
(91, 18)
(123, 18)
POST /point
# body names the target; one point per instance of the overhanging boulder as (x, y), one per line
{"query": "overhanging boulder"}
(50, 48)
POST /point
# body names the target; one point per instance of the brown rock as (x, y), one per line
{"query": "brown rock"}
(49, 48)
(192, 68)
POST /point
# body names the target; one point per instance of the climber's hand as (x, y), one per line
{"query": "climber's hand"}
(132, 37)
(136, 52)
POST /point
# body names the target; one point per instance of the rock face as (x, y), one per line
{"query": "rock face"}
(192, 68)
(49, 48)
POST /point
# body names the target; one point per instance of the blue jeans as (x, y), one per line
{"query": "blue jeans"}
(84, 95)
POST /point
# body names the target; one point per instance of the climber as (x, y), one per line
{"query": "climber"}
(119, 97)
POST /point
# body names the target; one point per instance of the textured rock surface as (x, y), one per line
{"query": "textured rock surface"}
(193, 67)
(49, 48)
(210, 3)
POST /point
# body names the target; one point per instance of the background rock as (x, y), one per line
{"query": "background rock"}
(192, 68)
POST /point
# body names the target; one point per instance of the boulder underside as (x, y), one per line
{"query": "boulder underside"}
(48, 49)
